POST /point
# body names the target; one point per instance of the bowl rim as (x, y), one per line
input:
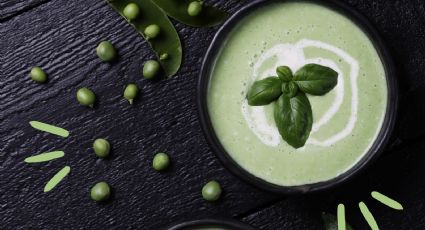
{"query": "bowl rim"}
(222, 222)
(375, 150)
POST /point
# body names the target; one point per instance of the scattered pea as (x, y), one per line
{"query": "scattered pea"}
(152, 31)
(86, 97)
(150, 69)
(163, 57)
(130, 92)
(38, 75)
(131, 11)
(211, 191)
(106, 51)
(161, 161)
(100, 191)
(101, 148)
(194, 8)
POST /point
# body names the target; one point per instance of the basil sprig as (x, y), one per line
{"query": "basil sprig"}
(292, 109)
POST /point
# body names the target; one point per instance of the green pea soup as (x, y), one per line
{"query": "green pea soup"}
(346, 121)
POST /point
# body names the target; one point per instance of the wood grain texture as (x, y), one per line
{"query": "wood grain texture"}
(61, 37)
(11, 8)
(296, 213)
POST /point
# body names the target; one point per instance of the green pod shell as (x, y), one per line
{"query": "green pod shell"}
(168, 42)
(177, 9)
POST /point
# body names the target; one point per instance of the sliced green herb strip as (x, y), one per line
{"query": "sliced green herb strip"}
(265, 91)
(316, 79)
(57, 178)
(167, 42)
(294, 119)
(49, 128)
(177, 9)
(43, 157)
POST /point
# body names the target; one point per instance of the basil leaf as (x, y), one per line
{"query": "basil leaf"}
(284, 73)
(331, 222)
(289, 89)
(316, 79)
(294, 119)
(265, 91)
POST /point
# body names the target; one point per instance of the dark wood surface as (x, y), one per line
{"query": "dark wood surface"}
(61, 36)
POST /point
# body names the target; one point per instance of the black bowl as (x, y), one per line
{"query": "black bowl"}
(377, 147)
(223, 223)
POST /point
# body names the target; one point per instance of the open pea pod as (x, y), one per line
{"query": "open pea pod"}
(177, 9)
(168, 41)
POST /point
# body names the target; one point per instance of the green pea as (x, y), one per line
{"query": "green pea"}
(161, 161)
(101, 148)
(163, 56)
(130, 92)
(131, 11)
(194, 8)
(86, 97)
(38, 75)
(106, 51)
(150, 69)
(152, 31)
(211, 191)
(100, 191)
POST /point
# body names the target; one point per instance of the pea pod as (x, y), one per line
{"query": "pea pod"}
(168, 42)
(177, 9)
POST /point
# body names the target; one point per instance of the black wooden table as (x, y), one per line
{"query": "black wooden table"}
(61, 36)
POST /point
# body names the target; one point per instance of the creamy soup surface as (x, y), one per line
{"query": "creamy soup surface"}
(346, 121)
